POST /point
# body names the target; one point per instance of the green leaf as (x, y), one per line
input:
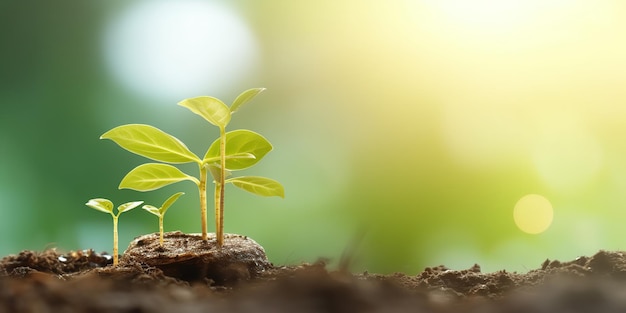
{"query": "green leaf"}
(151, 142)
(211, 109)
(128, 206)
(215, 171)
(244, 148)
(151, 209)
(151, 176)
(100, 204)
(244, 98)
(216, 159)
(166, 205)
(257, 185)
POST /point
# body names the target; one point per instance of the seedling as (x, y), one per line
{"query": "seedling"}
(234, 150)
(106, 206)
(160, 212)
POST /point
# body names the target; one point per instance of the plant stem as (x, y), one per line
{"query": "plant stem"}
(220, 218)
(202, 192)
(161, 229)
(115, 251)
(217, 195)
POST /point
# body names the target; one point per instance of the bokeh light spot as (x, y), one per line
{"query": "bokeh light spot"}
(177, 49)
(533, 214)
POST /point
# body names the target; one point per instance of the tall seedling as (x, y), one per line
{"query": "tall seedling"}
(234, 150)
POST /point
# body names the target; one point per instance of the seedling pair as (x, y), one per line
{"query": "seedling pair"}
(106, 206)
(232, 151)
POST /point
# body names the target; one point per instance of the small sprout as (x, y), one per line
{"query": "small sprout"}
(106, 206)
(160, 212)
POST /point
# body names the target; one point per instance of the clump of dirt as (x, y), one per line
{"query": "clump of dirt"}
(190, 258)
(85, 281)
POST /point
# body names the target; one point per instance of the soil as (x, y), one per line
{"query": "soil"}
(243, 281)
(187, 257)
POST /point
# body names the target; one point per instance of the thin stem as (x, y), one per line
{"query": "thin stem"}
(220, 217)
(161, 229)
(115, 250)
(202, 192)
(217, 194)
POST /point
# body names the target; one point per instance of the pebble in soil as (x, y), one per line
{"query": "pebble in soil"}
(188, 257)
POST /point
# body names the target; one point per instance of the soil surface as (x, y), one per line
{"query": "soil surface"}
(85, 281)
(189, 258)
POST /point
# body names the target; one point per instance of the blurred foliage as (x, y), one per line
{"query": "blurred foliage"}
(417, 123)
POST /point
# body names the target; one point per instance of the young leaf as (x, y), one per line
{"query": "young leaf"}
(257, 185)
(244, 98)
(151, 142)
(240, 145)
(151, 176)
(216, 172)
(152, 209)
(211, 109)
(128, 206)
(166, 205)
(100, 204)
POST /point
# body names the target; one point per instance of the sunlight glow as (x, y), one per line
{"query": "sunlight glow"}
(175, 49)
(482, 135)
(494, 15)
(567, 157)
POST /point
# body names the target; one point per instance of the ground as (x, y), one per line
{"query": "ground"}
(85, 281)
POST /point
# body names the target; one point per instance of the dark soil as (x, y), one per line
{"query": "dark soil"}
(85, 281)
(189, 258)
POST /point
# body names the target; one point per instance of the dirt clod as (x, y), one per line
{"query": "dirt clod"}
(188, 257)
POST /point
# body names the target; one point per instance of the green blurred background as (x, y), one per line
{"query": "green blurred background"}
(407, 129)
